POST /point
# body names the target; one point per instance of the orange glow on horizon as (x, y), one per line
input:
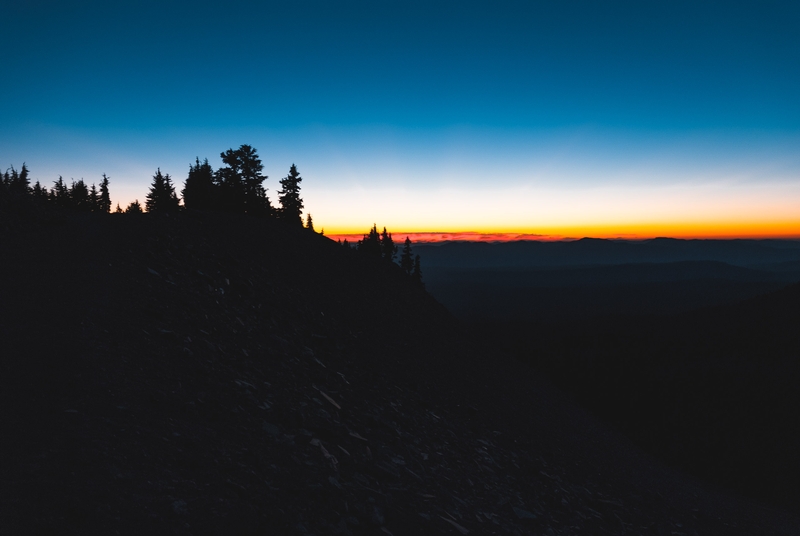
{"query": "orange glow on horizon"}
(705, 230)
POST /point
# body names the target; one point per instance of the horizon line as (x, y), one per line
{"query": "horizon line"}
(475, 236)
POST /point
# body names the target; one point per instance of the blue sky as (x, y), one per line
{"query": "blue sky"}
(423, 114)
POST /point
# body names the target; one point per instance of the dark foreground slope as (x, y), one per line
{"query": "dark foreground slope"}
(215, 374)
(714, 390)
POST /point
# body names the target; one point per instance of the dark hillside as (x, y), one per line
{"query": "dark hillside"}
(713, 390)
(537, 294)
(220, 374)
(593, 251)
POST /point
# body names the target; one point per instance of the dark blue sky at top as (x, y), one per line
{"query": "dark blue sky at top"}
(416, 65)
(423, 115)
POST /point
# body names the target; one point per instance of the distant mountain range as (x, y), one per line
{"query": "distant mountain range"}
(528, 280)
(593, 251)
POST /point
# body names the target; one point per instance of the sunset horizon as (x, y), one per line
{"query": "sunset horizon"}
(564, 120)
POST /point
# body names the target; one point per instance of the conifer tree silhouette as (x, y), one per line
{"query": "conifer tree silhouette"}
(371, 243)
(94, 199)
(5, 179)
(200, 191)
(79, 196)
(406, 258)
(388, 248)
(118, 210)
(309, 222)
(22, 181)
(59, 194)
(16, 185)
(39, 192)
(241, 182)
(416, 274)
(18, 182)
(105, 197)
(134, 208)
(289, 196)
(161, 197)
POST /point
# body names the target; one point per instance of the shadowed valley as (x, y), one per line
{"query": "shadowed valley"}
(689, 347)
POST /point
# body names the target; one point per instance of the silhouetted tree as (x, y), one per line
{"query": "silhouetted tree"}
(199, 190)
(105, 197)
(161, 197)
(406, 258)
(134, 208)
(15, 186)
(94, 199)
(22, 180)
(118, 210)
(79, 196)
(371, 243)
(39, 193)
(59, 194)
(289, 196)
(309, 222)
(416, 274)
(241, 182)
(18, 182)
(388, 249)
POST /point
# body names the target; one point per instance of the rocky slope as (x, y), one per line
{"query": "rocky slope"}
(201, 374)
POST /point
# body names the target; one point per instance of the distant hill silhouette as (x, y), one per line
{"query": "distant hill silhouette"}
(546, 280)
(219, 373)
(592, 251)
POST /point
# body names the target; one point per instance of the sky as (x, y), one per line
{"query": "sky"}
(555, 119)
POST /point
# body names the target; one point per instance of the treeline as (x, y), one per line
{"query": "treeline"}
(382, 246)
(237, 186)
(16, 190)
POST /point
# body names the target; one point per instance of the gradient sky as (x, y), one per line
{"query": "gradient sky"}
(556, 118)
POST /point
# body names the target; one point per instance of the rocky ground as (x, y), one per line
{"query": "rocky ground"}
(210, 374)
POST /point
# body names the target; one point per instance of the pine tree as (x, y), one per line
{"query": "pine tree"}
(388, 249)
(134, 208)
(79, 196)
(416, 274)
(23, 183)
(200, 191)
(105, 198)
(309, 222)
(371, 243)
(5, 179)
(16, 184)
(161, 197)
(59, 194)
(19, 183)
(94, 199)
(118, 210)
(241, 182)
(39, 192)
(406, 258)
(289, 196)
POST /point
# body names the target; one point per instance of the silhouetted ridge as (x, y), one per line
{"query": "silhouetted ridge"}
(223, 373)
